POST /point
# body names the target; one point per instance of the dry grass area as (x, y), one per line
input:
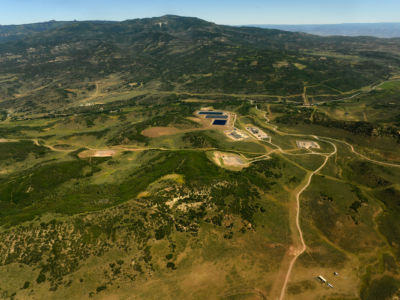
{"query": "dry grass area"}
(97, 153)
(305, 285)
(281, 64)
(194, 119)
(161, 131)
(300, 66)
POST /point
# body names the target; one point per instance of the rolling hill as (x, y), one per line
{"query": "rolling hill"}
(179, 54)
(116, 181)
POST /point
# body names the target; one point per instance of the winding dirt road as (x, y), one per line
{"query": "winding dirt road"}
(303, 244)
(299, 250)
(363, 156)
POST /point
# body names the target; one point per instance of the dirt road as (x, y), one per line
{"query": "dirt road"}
(303, 246)
(297, 250)
(362, 155)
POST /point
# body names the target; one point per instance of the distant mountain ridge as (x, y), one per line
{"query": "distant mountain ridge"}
(12, 32)
(44, 66)
(381, 30)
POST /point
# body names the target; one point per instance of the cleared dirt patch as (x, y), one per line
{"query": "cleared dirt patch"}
(258, 133)
(208, 116)
(307, 144)
(144, 194)
(192, 100)
(96, 153)
(236, 134)
(230, 161)
(153, 132)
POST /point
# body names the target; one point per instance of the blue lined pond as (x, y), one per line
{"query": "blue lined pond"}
(219, 122)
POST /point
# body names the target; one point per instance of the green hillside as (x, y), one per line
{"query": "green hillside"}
(113, 185)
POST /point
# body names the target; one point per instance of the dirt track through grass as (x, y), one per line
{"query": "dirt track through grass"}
(297, 250)
(303, 246)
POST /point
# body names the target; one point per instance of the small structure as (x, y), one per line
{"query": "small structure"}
(336, 273)
(330, 285)
(254, 130)
(322, 279)
(236, 134)
(258, 133)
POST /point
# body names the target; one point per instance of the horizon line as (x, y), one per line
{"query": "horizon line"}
(247, 24)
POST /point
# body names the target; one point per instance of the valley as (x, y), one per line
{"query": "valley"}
(116, 181)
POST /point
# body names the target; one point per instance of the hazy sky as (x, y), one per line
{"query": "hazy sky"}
(234, 12)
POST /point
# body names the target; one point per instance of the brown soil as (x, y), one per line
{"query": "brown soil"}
(96, 153)
(198, 101)
(230, 161)
(161, 131)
